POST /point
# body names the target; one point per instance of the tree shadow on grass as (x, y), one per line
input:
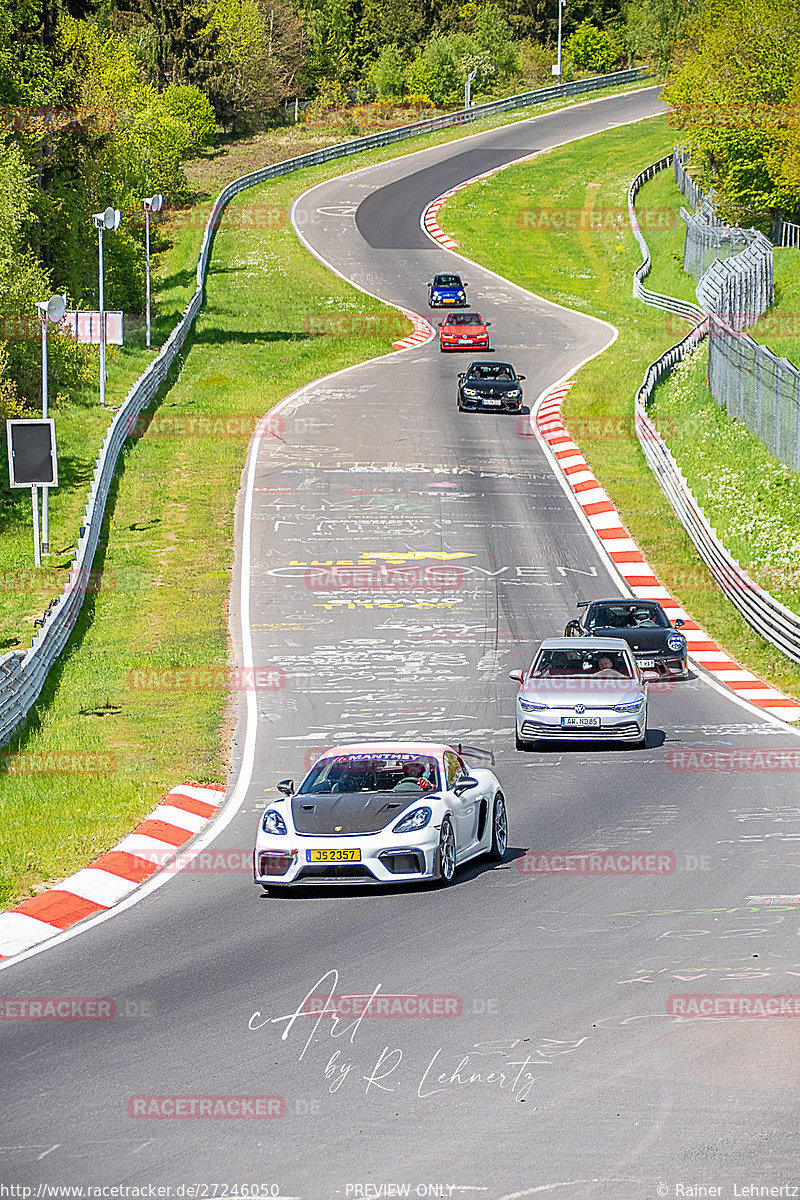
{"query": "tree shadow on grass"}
(223, 337)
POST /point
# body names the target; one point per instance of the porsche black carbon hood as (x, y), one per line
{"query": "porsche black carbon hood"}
(348, 812)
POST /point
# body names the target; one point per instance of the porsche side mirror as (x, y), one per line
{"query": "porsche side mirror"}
(680, 621)
(465, 785)
(520, 377)
(286, 786)
(517, 676)
(573, 629)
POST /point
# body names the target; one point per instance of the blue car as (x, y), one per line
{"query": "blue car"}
(447, 291)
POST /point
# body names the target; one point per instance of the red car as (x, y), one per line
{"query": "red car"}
(464, 331)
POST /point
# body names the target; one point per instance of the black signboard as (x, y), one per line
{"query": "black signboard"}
(32, 458)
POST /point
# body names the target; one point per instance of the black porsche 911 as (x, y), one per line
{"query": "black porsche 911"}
(643, 624)
(493, 386)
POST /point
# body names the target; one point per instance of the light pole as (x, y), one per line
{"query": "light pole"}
(49, 310)
(558, 63)
(467, 87)
(152, 204)
(104, 220)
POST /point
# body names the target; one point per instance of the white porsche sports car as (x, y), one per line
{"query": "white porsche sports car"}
(382, 812)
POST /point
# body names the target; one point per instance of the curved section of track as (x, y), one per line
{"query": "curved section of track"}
(560, 1069)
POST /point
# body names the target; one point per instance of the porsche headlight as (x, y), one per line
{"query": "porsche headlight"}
(273, 822)
(532, 705)
(418, 818)
(676, 643)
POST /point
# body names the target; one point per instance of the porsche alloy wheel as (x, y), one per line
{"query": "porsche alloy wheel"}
(446, 853)
(499, 830)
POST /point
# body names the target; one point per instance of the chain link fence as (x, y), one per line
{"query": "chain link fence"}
(736, 285)
(772, 620)
(757, 388)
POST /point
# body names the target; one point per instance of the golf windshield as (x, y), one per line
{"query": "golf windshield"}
(580, 664)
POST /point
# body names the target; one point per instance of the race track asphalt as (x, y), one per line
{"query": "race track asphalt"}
(563, 1071)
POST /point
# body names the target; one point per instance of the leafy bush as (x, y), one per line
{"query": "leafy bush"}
(593, 49)
(437, 71)
(387, 73)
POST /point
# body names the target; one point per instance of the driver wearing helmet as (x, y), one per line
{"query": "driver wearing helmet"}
(414, 778)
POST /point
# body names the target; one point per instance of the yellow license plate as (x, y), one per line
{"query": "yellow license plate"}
(333, 856)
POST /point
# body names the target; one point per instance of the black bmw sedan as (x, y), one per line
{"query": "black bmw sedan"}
(491, 386)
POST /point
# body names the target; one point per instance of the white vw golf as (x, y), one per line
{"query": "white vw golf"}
(582, 687)
(382, 812)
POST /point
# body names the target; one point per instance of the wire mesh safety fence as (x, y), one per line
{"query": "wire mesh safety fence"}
(23, 673)
(756, 387)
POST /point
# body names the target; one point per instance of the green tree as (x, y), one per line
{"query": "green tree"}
(259, 52)
(437, 72)
(387, 73)
(735, 109)
(593, 49)
(656, 30)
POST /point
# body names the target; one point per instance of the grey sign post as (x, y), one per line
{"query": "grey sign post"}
(152, 204)
(49, 310)
(33, 463)
(104, 220)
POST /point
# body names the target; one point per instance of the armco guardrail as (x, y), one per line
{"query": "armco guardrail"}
(683, 308)
(22, 675)
(766, 615)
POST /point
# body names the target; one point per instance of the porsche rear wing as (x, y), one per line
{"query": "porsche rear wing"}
(476, 753)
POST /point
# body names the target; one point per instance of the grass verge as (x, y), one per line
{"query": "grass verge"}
(590, 268)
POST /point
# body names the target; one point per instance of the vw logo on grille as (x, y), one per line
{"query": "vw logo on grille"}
(580, 708)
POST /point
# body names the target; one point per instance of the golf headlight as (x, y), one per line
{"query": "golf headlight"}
(676, 642)
(470, 392)
(632, 707)
(418, 818)
(273, 822)
(532, 705)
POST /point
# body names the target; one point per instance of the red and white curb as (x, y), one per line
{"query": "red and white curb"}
(631, 564)
(183, 812)
(423, 332)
